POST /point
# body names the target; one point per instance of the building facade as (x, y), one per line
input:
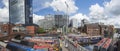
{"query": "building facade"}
(31, 29)
(18, 28)
(28, 12)
(95, 29)
(61, 20)
(47, 23)
(74, 23)
(20, 11)
(92, 29)
(52, 21)
(6, 28)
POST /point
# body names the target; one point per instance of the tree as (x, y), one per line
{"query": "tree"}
(40, 30)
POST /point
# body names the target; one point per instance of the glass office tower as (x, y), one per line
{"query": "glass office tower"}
(20, 11)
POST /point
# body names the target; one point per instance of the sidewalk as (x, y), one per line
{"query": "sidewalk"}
(62, 45)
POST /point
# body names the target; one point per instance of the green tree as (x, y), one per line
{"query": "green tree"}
(40, 30)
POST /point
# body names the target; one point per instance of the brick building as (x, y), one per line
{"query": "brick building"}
(31, 29)
(92, 29)
(6, 28)
(111, 30)
(95, 29)
(102, 28)
(19, 28)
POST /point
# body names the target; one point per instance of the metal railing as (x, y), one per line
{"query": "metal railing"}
(72, 47)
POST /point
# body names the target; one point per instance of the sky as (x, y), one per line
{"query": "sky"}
(105, 11)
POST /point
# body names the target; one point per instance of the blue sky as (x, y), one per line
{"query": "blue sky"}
(101, 10)
(83, 6)
(1, 4)
(105, 11)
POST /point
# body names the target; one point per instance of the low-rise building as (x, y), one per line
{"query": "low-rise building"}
(94, 29)
(6, 28)
(19, 28)
(31, 29)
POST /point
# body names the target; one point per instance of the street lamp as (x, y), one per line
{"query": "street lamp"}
(67, 15)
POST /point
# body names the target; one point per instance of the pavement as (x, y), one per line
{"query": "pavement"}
(62, 45)
(64, 49)
(90, 47)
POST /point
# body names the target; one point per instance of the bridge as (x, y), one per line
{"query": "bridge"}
(13, 35)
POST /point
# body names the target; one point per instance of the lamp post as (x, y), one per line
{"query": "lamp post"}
(9, 21)
(67, 15)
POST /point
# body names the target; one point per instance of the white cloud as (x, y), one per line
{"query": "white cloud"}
(4, 12)
(108, 14)
(5, 2)
(111, 21)
(62, 7)
(55, 4)
(41, 4)
(4, 15)
(36, 18)
(79, 16)
(97, 12)
(113, 7)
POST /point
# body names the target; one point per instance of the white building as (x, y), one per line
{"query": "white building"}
(74, 23)
(47, 23)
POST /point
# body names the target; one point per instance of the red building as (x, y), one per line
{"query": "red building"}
(6, 28)
(31, 29)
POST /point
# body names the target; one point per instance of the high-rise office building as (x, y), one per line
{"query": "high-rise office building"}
(20, 11)
(74, 23)
(60, 21)
(28, 12)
